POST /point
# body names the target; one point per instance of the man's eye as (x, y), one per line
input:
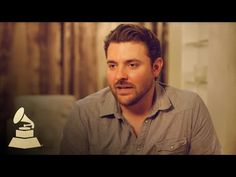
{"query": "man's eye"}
(111, 66)
(133, 65)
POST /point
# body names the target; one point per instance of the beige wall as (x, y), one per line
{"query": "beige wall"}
(222, 83)
(221, 73)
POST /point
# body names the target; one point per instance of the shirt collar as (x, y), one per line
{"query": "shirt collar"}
(109, 105)
(162, 102)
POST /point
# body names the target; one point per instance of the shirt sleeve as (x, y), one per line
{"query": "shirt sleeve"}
(204, 139)
(74, 140)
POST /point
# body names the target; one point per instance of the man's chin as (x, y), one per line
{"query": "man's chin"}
(125, 99)
(126, 102)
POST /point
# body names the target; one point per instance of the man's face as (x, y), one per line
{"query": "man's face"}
(130, 73)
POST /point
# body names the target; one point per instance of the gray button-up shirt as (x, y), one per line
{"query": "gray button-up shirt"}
(179, 123)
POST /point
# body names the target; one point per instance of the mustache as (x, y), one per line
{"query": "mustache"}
(122, 83)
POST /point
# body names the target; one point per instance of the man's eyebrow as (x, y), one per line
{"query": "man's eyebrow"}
(110, 61)
(132, 60)
(126, 61)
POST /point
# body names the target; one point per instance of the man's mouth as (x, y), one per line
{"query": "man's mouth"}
(124, 87)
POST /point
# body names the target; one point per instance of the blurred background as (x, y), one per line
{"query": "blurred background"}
(45, 67)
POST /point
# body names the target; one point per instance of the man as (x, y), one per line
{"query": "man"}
(136, 114)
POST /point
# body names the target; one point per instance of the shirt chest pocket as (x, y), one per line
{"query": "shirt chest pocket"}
(171, 147)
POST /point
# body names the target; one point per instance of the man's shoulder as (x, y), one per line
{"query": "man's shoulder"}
(182, 93)
(92, 106)
(181, 97)
(94, 98)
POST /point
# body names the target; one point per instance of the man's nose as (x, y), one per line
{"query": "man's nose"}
(121, 74)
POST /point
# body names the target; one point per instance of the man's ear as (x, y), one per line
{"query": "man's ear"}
(157, 66)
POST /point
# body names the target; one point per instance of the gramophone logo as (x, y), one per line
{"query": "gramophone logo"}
(24, 138)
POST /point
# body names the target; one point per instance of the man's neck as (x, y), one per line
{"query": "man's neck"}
(136, 114)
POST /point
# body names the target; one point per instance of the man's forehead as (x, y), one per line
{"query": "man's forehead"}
(128, 50)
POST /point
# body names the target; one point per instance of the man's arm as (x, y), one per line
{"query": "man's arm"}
(74, 140)
(204, 139)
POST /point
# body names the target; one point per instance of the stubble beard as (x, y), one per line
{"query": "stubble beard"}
(131, 99)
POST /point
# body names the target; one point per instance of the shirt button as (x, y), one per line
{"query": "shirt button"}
(172, 147)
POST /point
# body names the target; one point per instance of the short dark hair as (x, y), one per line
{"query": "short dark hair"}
(131, 32)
